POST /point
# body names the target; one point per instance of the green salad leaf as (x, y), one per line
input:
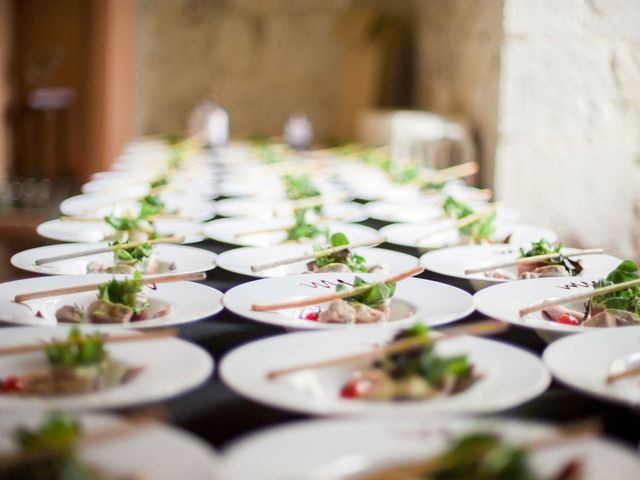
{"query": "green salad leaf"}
(133, 255)
(355, 262)
(424, 361)
(375, 296)
(78, 350)
(150, 205)
(482, 456)
(299, 186)
(478, 231)
(301, 229)
(124, 292)
(161, 181)
(59, 431)
(627, 299)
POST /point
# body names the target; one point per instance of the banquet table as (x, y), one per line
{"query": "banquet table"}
(220, 416)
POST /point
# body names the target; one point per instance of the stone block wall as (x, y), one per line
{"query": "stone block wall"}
(568, 122)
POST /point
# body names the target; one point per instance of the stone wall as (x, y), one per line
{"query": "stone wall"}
(262, 59)
(569, 119)
(459, 65)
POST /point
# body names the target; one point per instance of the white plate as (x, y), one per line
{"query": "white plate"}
(187, 259)
(344, 448)
(584, 362)
(190, 301)
(503, 301)
(97, 205)
(424, 210)
(230, 230)
(270, 209)
(93, 232)
(415, 235)
(454, 261)
(510, 376)
(430, 302)
(171, 366)
(154, 451)
(240, 260)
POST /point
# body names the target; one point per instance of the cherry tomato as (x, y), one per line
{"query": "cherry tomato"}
(568, 319)
(354, 389)
(313, 316)
(11, 385)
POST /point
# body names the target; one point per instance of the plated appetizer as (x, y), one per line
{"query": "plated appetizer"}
(338, 256)
(107, 300)
(474, 226)
(321, 372)
(78, 365)
(59, 446)
(119, 301)
(412, 373)
(433, 448)
(609, 307)
(298, 187)
(131, 257)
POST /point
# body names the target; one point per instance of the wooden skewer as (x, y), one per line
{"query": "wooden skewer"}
(451, 173)
(579, 296)
(185, 277)
(336, 295)
(534, 259)
(629, 372)
(36, 347)
(480, 328)
(321, 221)
(317, 254)
(67, 256)
(463, 222)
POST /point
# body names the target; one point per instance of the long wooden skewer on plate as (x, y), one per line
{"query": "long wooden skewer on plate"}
(112, 248)
(480, 328)
(316, 254)
(23, 297)
(337, 295)
(534, 259)
(552, 302)
(37, 347)
(460, 223)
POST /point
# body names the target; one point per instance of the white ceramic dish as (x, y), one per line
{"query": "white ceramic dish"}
(93, 232)
(424, 210)
(415, 300)
(274, 209)
(584, 362)
(155, 451)
(186, 259)
(233, 230)
(240, 260)
(348, 448)
(97, 205)
(418, 235)
(510, 376)
(454, 261)
(188, 301)
(171, 366)
(503, 301)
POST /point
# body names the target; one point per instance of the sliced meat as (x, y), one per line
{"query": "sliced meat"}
(70, 314)
(338, 311)
(612, 318)
(546, 271)
(553, 313)
(102, 312)
(366, 314)
(381, 268)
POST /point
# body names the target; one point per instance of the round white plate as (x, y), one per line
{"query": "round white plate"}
(152, 450)
(240, 260)
(346, 448)
(187, 259)
(424, 210)
(503, 301)
(270, 209)
(510, 376)
(171, 366)
(417, 235)
(190, 301)
(584, 362)
(420, 300)
(93, 232)
(231, 230)
(454, 261)
(96, 205)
